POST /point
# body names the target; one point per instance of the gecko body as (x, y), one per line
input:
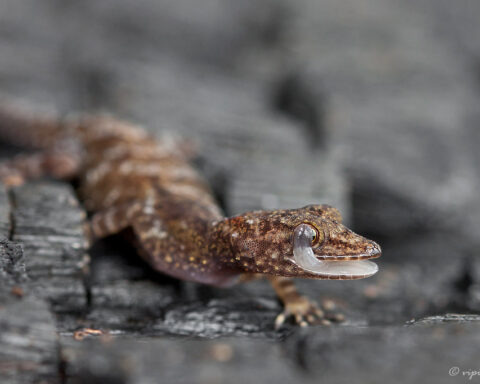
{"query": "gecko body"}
(129, 181)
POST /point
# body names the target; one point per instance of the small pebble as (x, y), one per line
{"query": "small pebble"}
(17, 291)
(82, 333)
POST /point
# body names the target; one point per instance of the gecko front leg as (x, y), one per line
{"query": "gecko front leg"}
(112, 220)
(303, 310)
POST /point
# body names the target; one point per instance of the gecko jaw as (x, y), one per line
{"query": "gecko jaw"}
(304, 257)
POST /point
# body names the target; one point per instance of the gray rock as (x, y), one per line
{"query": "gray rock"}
(29, 352)
(49, 225)
(469, 283)
(222, 317)
(5, 224)
(335, 354)
(28, 336)
(423, 352)
(179, 361)
(447, 318)
(12, 262)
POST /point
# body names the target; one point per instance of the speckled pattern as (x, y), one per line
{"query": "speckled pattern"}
(129, 181)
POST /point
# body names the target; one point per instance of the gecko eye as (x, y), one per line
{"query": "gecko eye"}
(310, 233)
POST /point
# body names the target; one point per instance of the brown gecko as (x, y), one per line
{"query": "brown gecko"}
(127, 180)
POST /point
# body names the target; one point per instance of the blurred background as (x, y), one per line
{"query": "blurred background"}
(369, 105)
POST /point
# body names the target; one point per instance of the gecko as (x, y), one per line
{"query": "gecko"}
(129, 181)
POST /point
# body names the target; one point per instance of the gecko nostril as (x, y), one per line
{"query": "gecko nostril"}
(373, 249)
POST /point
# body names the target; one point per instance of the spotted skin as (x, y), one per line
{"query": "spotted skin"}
(128, 180)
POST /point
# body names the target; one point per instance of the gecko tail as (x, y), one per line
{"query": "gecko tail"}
(20, 127)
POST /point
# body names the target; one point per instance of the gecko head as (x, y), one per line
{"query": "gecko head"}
(307, 242)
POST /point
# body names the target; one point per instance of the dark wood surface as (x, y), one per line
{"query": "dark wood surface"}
(371, 106)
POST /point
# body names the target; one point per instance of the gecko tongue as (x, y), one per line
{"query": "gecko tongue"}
(305, 259)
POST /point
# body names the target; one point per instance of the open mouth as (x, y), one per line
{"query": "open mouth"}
(304, 257)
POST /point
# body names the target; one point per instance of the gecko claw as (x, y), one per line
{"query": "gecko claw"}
(280, 320)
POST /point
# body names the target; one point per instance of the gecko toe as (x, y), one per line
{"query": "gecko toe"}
(319, 313)
(325, 322)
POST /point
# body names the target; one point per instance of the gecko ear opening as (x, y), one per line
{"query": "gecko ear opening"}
(326, 211)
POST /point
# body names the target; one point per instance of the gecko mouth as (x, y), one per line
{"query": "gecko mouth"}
(304, 257)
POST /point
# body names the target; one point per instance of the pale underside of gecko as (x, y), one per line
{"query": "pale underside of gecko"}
(129, 182)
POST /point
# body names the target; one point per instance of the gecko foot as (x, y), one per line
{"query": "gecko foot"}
(305, 312)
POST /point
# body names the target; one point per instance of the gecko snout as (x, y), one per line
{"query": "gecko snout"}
(373, 250)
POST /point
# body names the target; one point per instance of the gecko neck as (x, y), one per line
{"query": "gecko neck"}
(194, 249)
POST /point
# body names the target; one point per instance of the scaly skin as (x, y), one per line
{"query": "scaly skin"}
(129, 181)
